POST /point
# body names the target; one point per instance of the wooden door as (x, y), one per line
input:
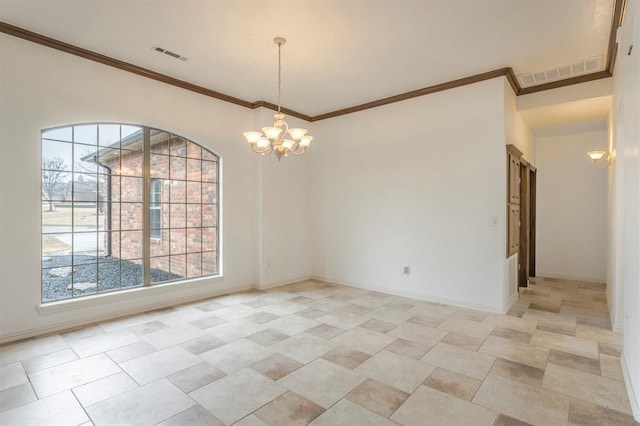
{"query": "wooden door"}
(513, 200)
(514, 179)
(521, 213)
(513, 232)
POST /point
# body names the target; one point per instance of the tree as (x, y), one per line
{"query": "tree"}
(53, 180)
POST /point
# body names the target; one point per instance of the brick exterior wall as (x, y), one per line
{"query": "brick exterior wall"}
(187, 242)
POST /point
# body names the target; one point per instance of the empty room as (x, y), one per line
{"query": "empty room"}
(323, 212)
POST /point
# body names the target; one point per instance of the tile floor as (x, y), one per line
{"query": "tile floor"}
(312, 353)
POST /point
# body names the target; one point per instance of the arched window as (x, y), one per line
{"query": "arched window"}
(125, 206)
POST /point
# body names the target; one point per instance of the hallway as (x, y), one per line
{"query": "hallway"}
(324, 354)
(571, 319)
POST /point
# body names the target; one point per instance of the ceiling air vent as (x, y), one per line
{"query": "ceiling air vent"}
(578, 68)
(169, 53)
(564, 71)
(585, 66)
(593, 64)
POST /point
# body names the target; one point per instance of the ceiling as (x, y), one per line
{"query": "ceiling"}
(587, 114)
(339, 53)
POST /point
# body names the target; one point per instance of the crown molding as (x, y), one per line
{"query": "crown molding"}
(507, 72)
(501, 72)
(107, 60)
(566, 82)
(619, 9)
(274, 107)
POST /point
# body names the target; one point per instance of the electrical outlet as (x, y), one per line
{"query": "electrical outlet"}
(406, 270)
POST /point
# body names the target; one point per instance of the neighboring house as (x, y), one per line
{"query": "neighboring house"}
(182, 202)
(81, 190)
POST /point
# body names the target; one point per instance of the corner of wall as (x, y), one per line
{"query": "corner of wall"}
(631, 392)
(258, 275)
(266, 286)
(413, 295)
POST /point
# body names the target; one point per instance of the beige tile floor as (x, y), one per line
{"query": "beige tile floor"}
(312, 353)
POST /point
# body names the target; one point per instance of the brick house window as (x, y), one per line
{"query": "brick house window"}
(155, 204)
(125, 206)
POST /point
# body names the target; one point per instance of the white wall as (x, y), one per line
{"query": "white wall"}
(561, 95)
(419, 183)
(517, 132)
(41, 88)
(571, 239)
(624, 207)
(615, 251)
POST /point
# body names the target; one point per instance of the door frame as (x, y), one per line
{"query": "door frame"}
(525, 220)
(532, 220)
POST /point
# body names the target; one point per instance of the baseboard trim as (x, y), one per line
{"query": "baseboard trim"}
(633, 396)
(88, 320)
(411, 294)
(618, 328)
(192, 287)
(275, 284)
(571, 278)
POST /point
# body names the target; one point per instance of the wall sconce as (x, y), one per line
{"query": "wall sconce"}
(600, 158)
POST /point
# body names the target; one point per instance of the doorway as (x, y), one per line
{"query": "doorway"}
(521, 214)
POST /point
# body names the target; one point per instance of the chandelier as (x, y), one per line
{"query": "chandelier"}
(275, 139)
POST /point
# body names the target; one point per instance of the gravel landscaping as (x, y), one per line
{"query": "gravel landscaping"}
(58, 275)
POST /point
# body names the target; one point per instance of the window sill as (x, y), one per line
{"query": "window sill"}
(126, 295)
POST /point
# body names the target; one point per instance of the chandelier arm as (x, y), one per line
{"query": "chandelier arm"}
(261, 151)
(299, 150)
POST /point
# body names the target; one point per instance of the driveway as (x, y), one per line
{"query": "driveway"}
(85, 240)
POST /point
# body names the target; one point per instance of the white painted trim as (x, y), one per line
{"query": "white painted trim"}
(511, 282)
(616, 327)
(571, 277)
(633, 396)
(220, 213)
(512, 300)
(69, 305)
(413, 295)
(282, 282)
(86, 320)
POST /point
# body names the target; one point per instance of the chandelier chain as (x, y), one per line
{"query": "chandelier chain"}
(279, 73)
